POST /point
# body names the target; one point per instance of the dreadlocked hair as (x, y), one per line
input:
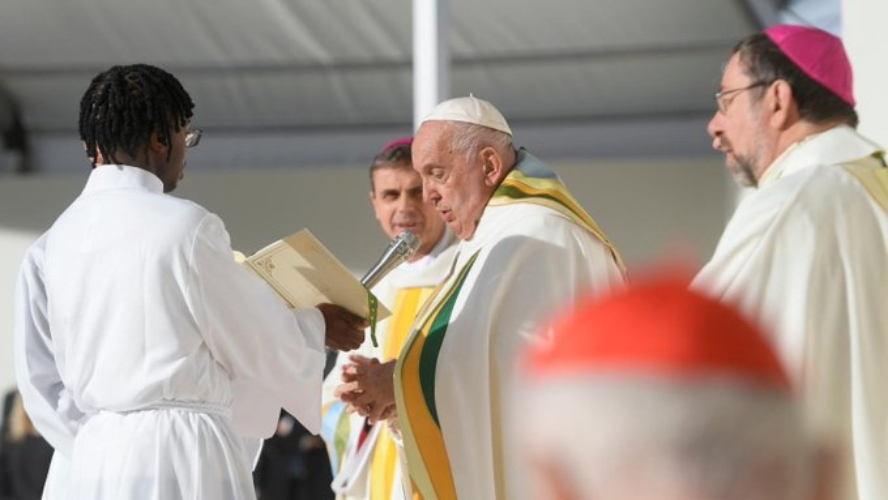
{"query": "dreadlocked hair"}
(125, 104)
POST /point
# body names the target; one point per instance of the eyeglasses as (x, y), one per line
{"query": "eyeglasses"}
(722, 104)
(192, 138)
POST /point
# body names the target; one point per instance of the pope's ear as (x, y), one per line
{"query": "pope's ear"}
(492, 166)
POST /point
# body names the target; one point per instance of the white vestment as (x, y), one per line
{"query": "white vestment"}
(353, 464)
(146, 356)
(807, 255)
(530, 262)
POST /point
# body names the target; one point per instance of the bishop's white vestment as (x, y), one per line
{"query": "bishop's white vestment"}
(807, 256)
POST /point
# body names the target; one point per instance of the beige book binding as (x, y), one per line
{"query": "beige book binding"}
(305, 273)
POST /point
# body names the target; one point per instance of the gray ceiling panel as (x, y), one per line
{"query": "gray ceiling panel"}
(299, 69)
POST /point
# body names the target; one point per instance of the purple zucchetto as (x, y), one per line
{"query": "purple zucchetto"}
(819, 54)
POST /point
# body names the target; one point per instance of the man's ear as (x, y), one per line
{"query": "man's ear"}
(157, 143)
(97, 160)
(492, 166)
(374, 202)
(783, 108)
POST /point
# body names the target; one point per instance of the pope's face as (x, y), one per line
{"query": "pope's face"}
(454, 184)
(398, 202)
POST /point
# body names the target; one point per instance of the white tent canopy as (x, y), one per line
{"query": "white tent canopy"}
(313, 82)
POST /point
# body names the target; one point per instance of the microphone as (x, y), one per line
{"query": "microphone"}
(400, 249)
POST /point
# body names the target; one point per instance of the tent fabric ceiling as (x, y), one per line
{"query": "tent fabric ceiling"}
(296, 70)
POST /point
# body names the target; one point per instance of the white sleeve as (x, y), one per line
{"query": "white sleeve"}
(274, 355)
(44, 395)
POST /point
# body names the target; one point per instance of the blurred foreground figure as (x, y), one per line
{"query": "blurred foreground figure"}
(659, 393)
(806, 253)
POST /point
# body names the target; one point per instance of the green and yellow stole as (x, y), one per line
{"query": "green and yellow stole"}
(415, 395)
(533, 182)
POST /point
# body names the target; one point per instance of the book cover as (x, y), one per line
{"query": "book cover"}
(305, 273)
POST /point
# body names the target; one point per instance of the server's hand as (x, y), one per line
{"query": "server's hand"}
(345, 331)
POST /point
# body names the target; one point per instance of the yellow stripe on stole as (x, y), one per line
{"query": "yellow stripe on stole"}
(382, 471)
(537, 187)
(874, 180)
(385, 461)
(429, 464)
(407, 302)
(539, 191)
(385, 454)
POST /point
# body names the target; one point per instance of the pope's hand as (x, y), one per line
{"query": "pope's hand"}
(369, 387)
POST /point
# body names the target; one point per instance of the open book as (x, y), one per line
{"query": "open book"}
(304, 273)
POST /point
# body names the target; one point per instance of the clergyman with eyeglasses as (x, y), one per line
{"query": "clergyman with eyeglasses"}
(805, 253)
(144, 354)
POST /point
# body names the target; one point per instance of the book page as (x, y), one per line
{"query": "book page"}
(305, 273)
